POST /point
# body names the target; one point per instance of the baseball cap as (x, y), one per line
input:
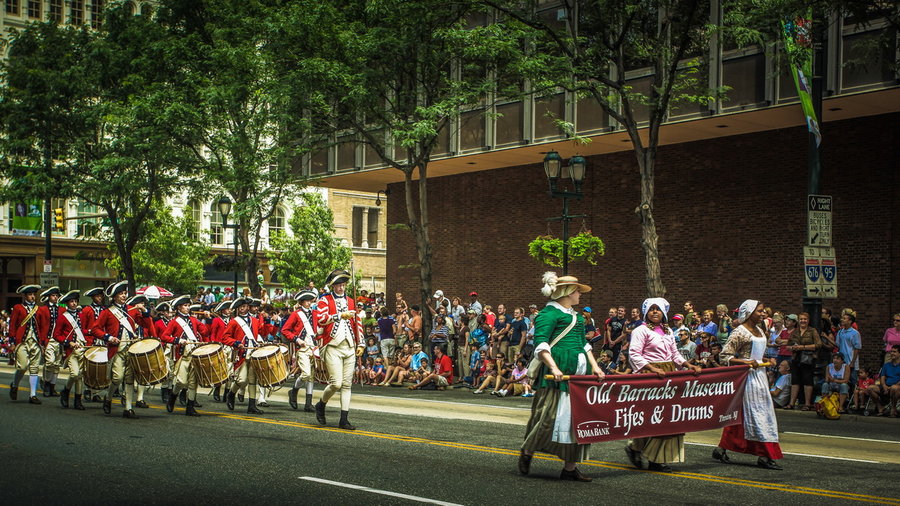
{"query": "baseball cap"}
(587, 309)
(473, 294)
(791, 316)
(438, 294)
(678, 317)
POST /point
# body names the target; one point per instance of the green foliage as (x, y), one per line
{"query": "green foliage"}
(584, 246)
(166, 255)
(313, 251)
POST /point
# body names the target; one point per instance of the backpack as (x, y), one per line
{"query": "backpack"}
(827, 407)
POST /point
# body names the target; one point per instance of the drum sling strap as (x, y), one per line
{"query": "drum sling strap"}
(79, 335)
(188, 332)
(124, 323)
(307, 326)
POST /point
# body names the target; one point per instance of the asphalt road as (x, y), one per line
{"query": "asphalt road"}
(453, 454)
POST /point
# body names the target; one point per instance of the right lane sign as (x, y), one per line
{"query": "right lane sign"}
(819, 220)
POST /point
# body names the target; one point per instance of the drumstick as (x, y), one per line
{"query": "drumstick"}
(550, 377)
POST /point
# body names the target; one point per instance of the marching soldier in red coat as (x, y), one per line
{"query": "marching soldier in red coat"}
(184, 333)
(23, 330)
(217, 330)
(117, 329)
(341, 341)
(47, 316)
(89, 315)
(71, 333)
(242, 334)
(164, 314)
(137, 310)
(300, 328)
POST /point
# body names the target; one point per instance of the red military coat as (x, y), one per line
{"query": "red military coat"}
(294, 330)
(325, 309)
(144, 321)
(46, 322)
(89, 315)
(160, 327)
(217, 329)
(16, 329)
(107, 326)
(175, 335)
(65, 334)
(235, 336)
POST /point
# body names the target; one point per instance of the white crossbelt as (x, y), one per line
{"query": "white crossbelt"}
(79, 335)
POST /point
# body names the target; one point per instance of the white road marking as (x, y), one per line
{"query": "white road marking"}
(845, 437)
(377, 491)
(805, 455)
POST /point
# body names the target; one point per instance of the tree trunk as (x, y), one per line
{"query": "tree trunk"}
(252, 262)
(418, 224)
(123, 250)
(649, 239)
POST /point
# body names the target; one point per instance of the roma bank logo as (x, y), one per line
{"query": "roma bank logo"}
(592, 428)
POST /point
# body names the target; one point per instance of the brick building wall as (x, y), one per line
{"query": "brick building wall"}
(731, 216)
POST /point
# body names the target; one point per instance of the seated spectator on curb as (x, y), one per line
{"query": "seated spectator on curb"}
(377, 374)
(861, 392)
(401, 362)
(678, 324)
(781, 390)
(518, 382)
(442, 375)
(888, 385)
(495, 375)
(712, 358)
(606, 363)
(622, 366)
(837, 379)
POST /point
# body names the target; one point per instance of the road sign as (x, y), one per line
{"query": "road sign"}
(49, 279)
(820, 272)
(829, 273)
(818, 214)
(48, 265)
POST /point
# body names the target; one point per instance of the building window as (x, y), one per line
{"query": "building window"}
(372, 228)
(346, 153)
(276, 223)
(34, 9)
(88, 227)
(867, 59)
(357, 226)
(509, 123)
(196, 218)
(216, 231)
(372, 158)
(56, 11)
(365, 227)
(641, 93)
(547, 111)
(471, 130)
(318, 163)
(589, 115)
(12, 7)
(76, 12)
(746, 76)
(96, 13)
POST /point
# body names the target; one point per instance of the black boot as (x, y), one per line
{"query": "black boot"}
(344, 423)
(292, 397)
(240, 397)
(217, 396)
(107, 406)
(53, 392)
(251, 407)
(229, 400)
(141, 404)
(182, 397)
(308, 407)
(170, 404)
(129, 413)
(45, 387)
(13, 391)
(78, 405)
(190, 411)
(164, 393)
(64, 398)
(320, 413)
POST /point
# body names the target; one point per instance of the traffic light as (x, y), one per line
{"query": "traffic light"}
(60, 219)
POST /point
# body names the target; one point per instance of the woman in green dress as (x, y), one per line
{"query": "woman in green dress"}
(549, 429)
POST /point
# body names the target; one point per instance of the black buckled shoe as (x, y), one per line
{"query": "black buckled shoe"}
(141, 404)
(292, 398)
(129, 413)
(217, 396)
(721, 455)
(252, 409)
(182, 398)
(170, 404)
(574, 475)
(240, 397)
(344, 423)
(189, 410)
(64, 397)
(78, 405)
(34, 400)
(320, 413)
(107, 406)
(308, 407)
(660, 468)
(524, 463)
(766, 463)
(13, 391)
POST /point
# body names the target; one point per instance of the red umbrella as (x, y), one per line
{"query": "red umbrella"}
(154, 292)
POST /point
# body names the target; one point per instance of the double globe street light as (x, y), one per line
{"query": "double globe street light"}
(555, 170)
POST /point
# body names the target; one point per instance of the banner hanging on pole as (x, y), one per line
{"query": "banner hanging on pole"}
(644, 405)
(799, 48)
(28, 218)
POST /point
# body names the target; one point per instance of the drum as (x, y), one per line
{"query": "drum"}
(96, 367)
(148, 362)
(320, 373)
(211, 365)
(269, 365)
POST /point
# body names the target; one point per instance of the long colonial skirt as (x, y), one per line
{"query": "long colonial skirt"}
(540, 429)
(661, 449)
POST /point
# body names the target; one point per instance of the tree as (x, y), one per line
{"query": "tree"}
(244, 134)
(97, 112)
(166, 255)
(391, 75)
(312, 251)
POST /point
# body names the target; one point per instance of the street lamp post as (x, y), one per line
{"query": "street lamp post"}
(224, 205)
(554, 169)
